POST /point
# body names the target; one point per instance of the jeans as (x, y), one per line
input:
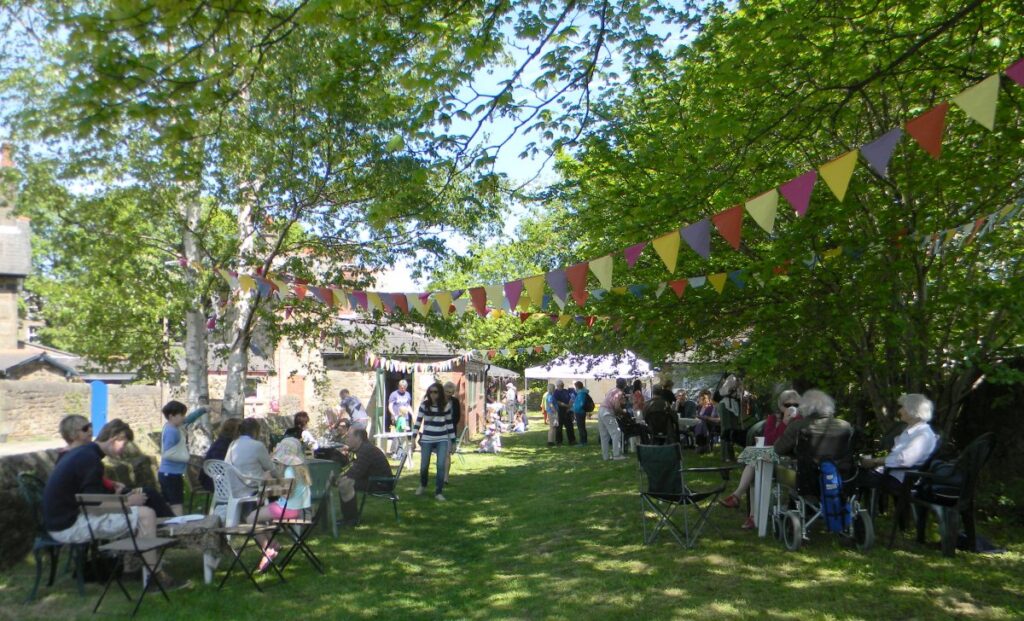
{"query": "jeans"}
(426, 448)
(581, 425)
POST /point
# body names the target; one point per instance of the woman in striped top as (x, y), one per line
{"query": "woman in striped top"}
(436, 435)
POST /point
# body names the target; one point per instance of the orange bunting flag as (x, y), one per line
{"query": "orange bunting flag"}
(837, 173)
(679, 286)
(730, 224)
(928, 127)
(718, 281)
(577, 277)
(402, 302)
(479, 297)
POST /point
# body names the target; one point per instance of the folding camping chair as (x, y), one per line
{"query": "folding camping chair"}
(383, 487)
(249, 530)
(99, 505)
(663, 489)
(31, 489)
(299, 530)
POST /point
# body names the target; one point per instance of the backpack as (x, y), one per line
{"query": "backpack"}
(837, 518)
(588, 404)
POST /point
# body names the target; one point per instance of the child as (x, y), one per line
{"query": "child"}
(518, 426)
(287, 453)
(492, 438)
(173, 456)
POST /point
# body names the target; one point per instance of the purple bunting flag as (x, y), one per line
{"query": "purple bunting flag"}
(798, 191)
(513, 290)
(879, 152)
(633, 253)
(698, 237)
(558, 282)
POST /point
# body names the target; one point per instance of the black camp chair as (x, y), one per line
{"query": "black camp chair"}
(949, 493)
(31, 489)
(663, 489)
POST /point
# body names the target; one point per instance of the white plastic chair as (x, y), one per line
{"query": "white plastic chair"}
(222, 474)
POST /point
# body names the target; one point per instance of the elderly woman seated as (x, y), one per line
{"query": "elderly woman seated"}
(913, 447)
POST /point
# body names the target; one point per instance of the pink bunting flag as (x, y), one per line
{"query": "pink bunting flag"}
(361, 298)
(798, 191)
(633, 253)
(513, 291)
(1016, 72)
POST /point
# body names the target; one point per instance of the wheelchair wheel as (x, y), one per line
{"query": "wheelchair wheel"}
(792, 530)
(863, 530)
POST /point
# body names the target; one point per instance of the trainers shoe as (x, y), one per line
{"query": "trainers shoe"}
(730, 501)
(749, 524)
(420, 490)
(439, 497)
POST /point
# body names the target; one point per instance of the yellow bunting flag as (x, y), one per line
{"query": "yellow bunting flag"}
(832, 253)
(979, 101)
(602, 269)
(372, 301)
(246, 283)
(837, 173)
(563, 320)
(495, 295)
(444, 301)
(417, 303)
(618, 290)
(496, 313)
(763, 208)
(282, 286)
(667, 247)
(524, 302)
(534, 286)
(339, 297)
(718, 281)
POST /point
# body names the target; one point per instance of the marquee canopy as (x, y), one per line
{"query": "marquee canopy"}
(578, 366)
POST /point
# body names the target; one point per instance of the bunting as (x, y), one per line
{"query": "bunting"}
(838, 172)
(602, 269)
(667, 247)
(798, 191)
(879, 152)
(730, 225)
(698, 237)
(763, 208)
(979, 101)
(927, 128)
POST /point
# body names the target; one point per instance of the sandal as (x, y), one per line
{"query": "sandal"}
(730, 501)
(268, 557)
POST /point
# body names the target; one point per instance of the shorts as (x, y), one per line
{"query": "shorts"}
(106, 526)
(277, 512)
(172, 487)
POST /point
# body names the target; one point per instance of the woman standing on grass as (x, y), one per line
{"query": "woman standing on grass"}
(436, 435)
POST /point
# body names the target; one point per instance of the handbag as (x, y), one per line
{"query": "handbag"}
(178, 452)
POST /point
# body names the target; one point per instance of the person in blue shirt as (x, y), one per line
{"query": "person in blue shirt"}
(171, 472)
(580, 412)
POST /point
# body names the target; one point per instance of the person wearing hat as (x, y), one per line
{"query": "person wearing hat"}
(289, 455)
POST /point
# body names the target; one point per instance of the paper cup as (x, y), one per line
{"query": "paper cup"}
(760, 441)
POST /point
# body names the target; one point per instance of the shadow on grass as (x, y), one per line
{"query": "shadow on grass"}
(539, 533)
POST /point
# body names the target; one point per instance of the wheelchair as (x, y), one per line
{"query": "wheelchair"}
(797, 505)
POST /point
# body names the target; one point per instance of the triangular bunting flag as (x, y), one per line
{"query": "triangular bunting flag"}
(667, 247)
(979, 101)
(927, 129)
(373, 302)
(679, 286)
(558, 283)
(637, 290)
(798, 191)
(402, 302)
(879, 152)
(717, 281)
(563, 320)
(559, 301)
(246, 283)
(599, 293)
(444, 302)
(661, 289)
(763, 208)
(577, 277)
(300, 291)
(837, 173)
(388, 301)
(632, 254)
(461, 305)
(697, 281)
(602, 269)
(736, 276)
(513, 291)
(479, 298)
(730, 224)
(534, 286)
(580, 296)
(523, 317)
(417, 302)
(495, 295)
(1016, 72)
(361, 299)
(698, 237)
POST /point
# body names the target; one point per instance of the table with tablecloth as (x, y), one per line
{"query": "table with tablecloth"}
(763, 460)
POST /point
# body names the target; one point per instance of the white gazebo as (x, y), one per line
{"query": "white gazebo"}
(584, 367)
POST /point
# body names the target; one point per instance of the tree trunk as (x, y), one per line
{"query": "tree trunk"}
(196, 365)
(243, 312)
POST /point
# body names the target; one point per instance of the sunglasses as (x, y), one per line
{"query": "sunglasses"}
(86, 428)
(792, 405)
(432, 392)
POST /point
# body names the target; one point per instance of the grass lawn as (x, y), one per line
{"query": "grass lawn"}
(538, 533)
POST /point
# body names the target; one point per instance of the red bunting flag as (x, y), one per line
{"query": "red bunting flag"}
(538, 349)
(590, 321)
(679, 286)
(577, 277)
(580, 295)
(730, 224)
(524, 316)
(402, 302)
(491, 353)
(479, 297)
(300, 291)
(927, 129)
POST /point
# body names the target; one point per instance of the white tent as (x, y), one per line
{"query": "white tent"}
(581, 367)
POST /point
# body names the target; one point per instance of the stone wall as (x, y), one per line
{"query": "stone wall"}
(32, 410)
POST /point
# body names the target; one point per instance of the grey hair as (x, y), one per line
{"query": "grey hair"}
(403, 383)
(788, 396)
(918, 406)
(449, 385)
(70, 425)
(817, 402)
